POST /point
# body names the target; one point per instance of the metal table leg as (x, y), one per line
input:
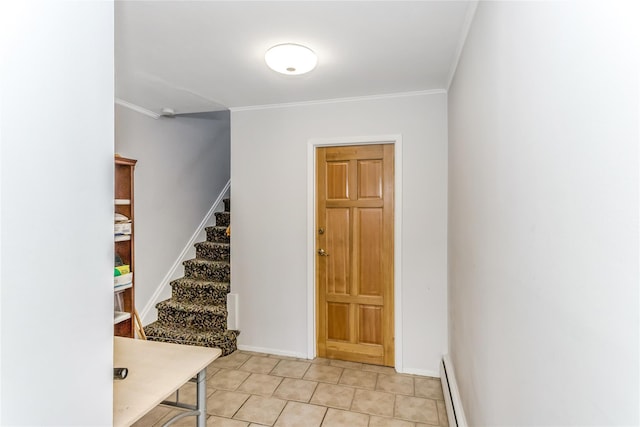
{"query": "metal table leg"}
(201, 398)
(200, 410)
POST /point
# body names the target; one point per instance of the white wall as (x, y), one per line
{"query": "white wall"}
(543, 215)
(56, 129)
(183, 165)
(269, 216)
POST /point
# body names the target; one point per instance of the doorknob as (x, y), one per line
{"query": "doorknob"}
(321, 252)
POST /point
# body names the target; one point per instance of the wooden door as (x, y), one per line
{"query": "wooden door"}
(354, 253)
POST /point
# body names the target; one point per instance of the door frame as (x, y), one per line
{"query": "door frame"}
(312, 144)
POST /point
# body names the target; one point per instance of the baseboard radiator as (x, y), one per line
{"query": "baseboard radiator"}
(452, 400)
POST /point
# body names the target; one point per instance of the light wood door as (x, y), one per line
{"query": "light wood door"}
(354, 253)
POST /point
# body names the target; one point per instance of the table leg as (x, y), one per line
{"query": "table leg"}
(201, 396)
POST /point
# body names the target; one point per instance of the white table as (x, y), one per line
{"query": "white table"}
(156, 370)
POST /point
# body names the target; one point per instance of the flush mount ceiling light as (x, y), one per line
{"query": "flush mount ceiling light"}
(290, 58)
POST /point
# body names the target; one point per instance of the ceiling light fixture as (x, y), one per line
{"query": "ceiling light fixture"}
(291, 58)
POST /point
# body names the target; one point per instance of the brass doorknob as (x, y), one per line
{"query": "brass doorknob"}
(321, 252)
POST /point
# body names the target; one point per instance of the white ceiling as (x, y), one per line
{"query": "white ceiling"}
(198, 56)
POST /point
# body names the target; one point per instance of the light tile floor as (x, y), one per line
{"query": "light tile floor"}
(248, 389)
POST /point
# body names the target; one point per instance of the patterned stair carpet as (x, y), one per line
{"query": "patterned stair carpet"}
(196, 313)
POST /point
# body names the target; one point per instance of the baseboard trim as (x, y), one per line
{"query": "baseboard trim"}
(452, 401)
(144, 314)
(421, 372)
(273, 351)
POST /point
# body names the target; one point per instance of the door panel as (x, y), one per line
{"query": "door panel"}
(354, 268)
(337, 181)
(369, 243)
(338, 321)
(337, 237)
(370, 327)
(369, 179)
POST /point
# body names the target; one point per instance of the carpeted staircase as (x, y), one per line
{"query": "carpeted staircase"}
(196, 313)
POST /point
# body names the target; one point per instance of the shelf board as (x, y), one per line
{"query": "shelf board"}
(117, 289)
(122, 238)
(120, 316)
(122, 202)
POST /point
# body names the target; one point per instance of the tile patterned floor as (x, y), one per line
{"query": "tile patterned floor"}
(248, 389)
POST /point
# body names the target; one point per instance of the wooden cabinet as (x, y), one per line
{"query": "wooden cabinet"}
(124, 304)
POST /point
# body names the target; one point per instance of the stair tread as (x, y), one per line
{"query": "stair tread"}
(202, 268)
(210, 243)
(159, 329)
(217, 234)
(200, 283)
(219, 227)
(193, 308)
(223, 219)
(204, 262)
(225, 340)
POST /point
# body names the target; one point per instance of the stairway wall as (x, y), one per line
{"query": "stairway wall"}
(183, 166)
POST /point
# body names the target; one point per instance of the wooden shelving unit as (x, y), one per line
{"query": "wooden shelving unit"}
(124, 245)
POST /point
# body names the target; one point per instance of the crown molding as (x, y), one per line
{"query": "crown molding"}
(339, 100)
(137, 108)
(464, 32)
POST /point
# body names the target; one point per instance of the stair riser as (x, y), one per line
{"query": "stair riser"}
(213, 253)
(223, 219)
(217, 234)
(199, 295)
(201, 321)
(190, 299)
(213, 273)
(227, 346)
(225, 342)
(227, 205)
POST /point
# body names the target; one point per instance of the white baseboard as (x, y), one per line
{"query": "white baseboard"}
(272, 351)
(421, 372)
(452, 401)
(147, 315)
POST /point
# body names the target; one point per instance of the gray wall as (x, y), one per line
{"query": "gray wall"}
(56, 131)
(543, 215)
(183, 165)
(272, 201)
